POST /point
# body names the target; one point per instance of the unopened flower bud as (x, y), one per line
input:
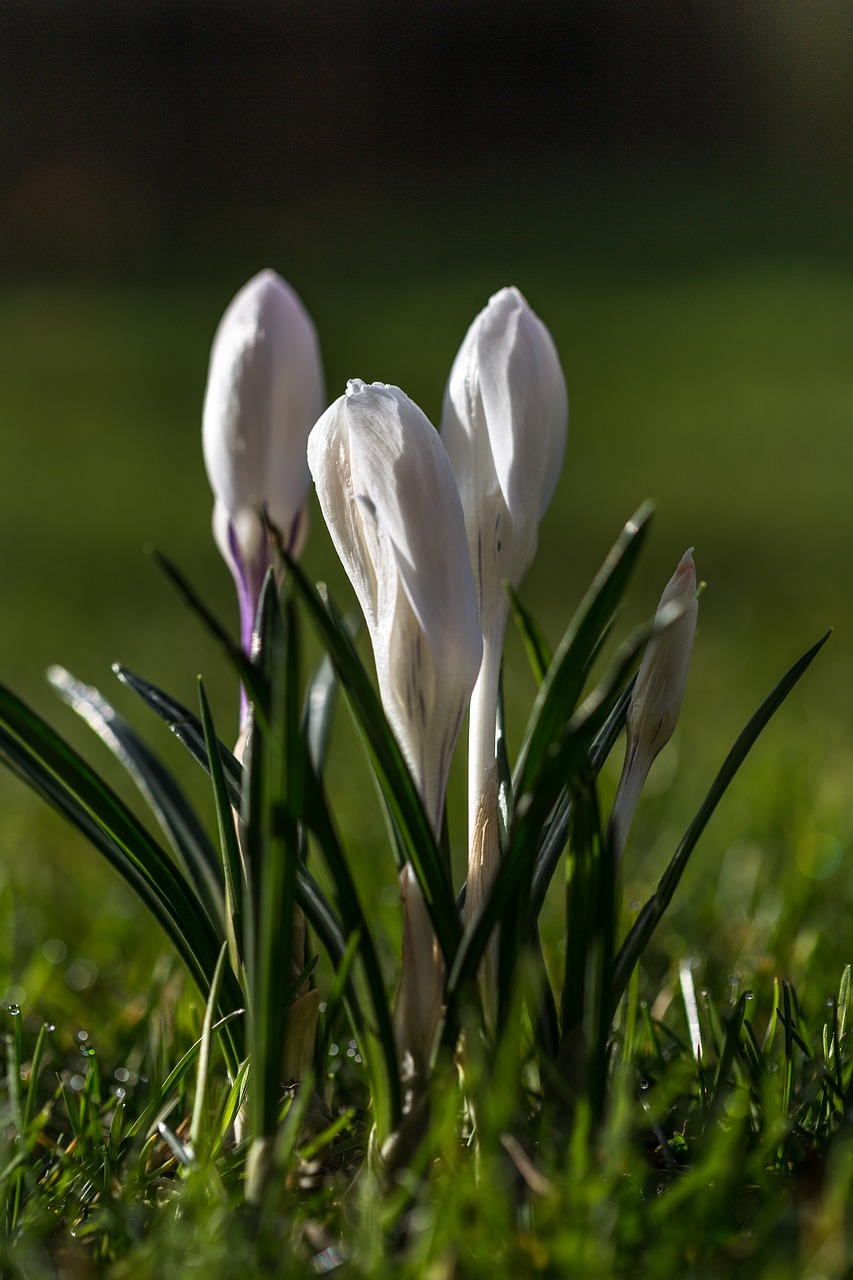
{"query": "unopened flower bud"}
(658, 694)
(264, 394)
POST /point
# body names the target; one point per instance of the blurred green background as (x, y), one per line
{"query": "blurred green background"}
(671, 186)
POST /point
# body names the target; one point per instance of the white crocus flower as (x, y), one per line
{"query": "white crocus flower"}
(264, 393)
(504, 427)
(658, 693)
(388, 495)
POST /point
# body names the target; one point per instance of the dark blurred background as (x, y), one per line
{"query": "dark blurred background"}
(671, 184)
(141, 134)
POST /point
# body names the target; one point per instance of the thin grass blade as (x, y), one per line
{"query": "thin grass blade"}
(187, 728)
(649, 917)
(165, 798)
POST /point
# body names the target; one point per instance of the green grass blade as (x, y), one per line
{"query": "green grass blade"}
(271, 811)
(381, 1057)
(165, 1095)
(206, 1045)
(560, 690)
(590, 916)
(257, 689)
(38, 754)
(535, 645)
(509, 900)
(649, 917)
(164, 796)
(187, 728)
(731, 1043)
(557, 829)
(234, 874)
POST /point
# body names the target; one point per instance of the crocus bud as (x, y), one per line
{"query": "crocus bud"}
(387, 493)
(504, 427)
(264, 394)
(658, 693)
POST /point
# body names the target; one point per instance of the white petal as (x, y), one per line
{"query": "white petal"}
(264, 393)
(399, 462)
(389, 497)
(525, 403)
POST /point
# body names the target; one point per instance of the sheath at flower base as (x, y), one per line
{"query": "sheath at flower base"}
(656, 701)
(504, 426)
(264, 393)
(389, 498)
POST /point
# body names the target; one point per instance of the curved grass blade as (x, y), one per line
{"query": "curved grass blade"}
(560, 690)
(187, 728)
(234, 873)
(165, 798)
(382, 1058)
(206, 1045)
(320, 703)
(557, 829)
(648, 919)
(397, 788)
(257, 689)
(535, 645)
(45, 761)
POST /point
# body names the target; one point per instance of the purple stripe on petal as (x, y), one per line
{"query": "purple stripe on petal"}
(247, 592)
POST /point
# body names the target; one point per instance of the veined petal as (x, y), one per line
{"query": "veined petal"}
(330, 465)
(399, 462)
(389, 497)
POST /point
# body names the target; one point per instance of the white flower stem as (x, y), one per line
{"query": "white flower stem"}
(482, 770)
(483, 838)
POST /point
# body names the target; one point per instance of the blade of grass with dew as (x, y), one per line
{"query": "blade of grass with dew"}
(165, 1095)
(649, 917)
(167, 801)
(187, 728)
(398, 790)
